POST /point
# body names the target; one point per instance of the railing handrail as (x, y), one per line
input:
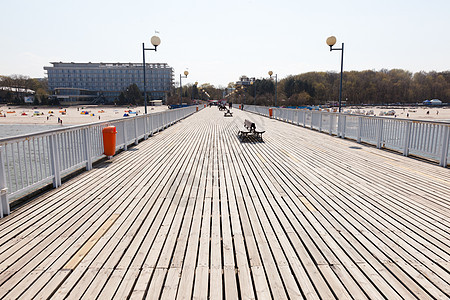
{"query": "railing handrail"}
(348, 114)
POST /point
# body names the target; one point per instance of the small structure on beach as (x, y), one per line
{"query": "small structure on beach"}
(432, 102)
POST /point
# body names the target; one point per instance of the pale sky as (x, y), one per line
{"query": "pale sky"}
(218, 41)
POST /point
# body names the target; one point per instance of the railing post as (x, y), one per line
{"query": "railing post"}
(379, 133)
(54, 158)
(360, 125)
(87, 148)
(152, 118)
(145, 118)
(125, 138)
(4, 203)
(304, 118)
(136, 135)
(339, 129)
(445, 145)
(159, 122)
(320, 121)
(332, 117)
(343, 126)
(407, 138)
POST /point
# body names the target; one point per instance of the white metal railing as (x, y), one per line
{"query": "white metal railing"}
(29, 162)
(427, 139)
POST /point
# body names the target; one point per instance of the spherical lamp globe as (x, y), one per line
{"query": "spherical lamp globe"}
(331, 41)
(156, 41)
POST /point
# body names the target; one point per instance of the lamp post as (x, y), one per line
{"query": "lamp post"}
(253, 83)
(155, 42)
(330, 42)
(186, 73)
(243, 92)
(192, 95)
(276, 85)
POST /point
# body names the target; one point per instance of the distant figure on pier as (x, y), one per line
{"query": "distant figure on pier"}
(230, 105)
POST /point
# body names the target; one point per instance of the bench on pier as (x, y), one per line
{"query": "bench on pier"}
(228, 113)
(222, 107)
(249, 130)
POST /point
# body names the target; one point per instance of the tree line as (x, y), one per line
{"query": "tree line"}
(358, 87)
(190, 92)
(17, 82)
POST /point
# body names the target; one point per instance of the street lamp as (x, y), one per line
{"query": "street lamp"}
(155, 42)
(192, 94)
(330, 42)
(253, 83)
(243, 90)
(186, 73)
(276, 85)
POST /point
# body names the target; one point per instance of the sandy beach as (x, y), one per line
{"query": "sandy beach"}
(427, 113)
(72, 115)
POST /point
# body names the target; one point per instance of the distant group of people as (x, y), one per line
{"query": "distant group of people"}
(59, 120)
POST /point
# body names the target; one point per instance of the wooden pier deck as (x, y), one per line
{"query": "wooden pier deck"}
(194, 213)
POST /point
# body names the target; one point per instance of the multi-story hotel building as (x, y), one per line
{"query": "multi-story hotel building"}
(75, 83)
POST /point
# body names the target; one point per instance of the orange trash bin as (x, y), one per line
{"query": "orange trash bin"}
(270, 112)
(109, 140)
(196, 109)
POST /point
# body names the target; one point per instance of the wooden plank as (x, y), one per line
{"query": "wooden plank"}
(156, 283)
(171, 284)
(188, 271)
(201, 283)
(84, 250)
(140, 288)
